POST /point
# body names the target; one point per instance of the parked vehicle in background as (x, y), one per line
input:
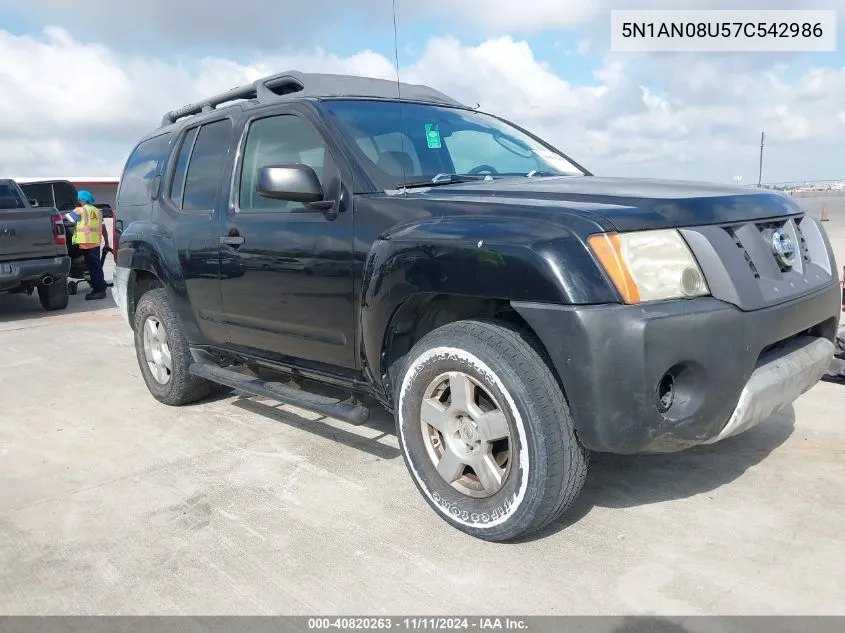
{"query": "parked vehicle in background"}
(106, 210)
(57, 194)
(33, 249)
(513, 311)
(60, 194)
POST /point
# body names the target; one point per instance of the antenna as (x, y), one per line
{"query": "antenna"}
(398, 91)
(396, 52)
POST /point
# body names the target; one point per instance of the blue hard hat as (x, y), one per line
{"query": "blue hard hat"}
(85, 196)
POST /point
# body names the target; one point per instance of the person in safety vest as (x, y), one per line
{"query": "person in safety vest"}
(87, 233)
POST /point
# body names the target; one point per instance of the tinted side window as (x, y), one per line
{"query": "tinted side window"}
(40, 192)
(177, 184)
(206, 166)
(10, 198)
(141, 168)
(276, 140)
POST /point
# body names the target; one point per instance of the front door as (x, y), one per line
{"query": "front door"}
(286, 269)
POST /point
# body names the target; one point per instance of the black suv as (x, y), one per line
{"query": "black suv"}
(512, 311)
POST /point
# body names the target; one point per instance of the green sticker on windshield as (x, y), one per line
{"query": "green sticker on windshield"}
(432, 135)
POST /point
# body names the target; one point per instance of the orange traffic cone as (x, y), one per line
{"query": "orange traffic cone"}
(824, 217)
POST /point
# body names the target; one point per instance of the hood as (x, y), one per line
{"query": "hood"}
(627, 204)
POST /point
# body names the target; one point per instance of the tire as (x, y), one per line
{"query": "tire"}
(55, 296)
(72, 287)
(544, 468)
(173, 385)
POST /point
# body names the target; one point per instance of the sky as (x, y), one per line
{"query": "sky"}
(81, 82)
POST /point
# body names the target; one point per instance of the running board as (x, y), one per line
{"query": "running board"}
(352, 413)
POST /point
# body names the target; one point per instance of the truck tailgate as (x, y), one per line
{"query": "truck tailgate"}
(26, 234)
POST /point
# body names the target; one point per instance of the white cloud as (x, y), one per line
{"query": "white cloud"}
(507, 16)
(676, 117)
(23, 158)
(80, 107)
(69, 106)
(501, 75)
(262, 23)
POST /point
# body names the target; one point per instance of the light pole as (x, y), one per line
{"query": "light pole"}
(762, 142)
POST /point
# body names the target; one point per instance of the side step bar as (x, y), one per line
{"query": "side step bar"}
(352, 413)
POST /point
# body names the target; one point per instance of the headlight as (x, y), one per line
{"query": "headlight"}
(649, 265)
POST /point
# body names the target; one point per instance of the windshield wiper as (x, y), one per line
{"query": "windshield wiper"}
(447, 179)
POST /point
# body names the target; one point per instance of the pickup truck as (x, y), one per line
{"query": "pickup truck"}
(33, 249)
(382, 245)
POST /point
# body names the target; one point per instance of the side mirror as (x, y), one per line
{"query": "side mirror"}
(294, 182)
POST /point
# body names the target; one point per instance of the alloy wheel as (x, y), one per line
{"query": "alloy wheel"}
(466, 434)
(157, 350)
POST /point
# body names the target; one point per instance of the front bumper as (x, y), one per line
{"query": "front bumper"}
(778, 380)
(16, 272)
(731, 369)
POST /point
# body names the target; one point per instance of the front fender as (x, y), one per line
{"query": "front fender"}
(481, 257)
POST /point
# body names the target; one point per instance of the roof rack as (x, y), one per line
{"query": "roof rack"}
(298, 84)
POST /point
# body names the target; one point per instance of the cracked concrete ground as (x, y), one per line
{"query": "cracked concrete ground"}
(241, 506)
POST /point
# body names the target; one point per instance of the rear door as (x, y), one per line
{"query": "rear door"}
(25, 232)
(193, 195)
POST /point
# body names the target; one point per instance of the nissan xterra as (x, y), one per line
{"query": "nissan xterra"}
(513, 311)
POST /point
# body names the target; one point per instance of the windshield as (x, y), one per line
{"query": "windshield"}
(414, 143)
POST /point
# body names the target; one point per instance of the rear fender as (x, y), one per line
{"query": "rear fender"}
(144, 247)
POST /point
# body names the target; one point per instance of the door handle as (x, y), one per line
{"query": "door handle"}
(232, 240)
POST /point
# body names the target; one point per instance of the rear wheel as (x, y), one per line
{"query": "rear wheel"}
(486, 432)
(55, 296)
(163, 354)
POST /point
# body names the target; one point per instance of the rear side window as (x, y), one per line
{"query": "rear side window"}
(41, 193)
(206, 166)
(9, 197)
(142, 167)
(177, 184)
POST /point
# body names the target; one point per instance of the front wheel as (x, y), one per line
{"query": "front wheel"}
(486, 432)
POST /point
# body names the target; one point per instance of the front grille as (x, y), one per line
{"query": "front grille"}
(745, 263)
(730, 231)
(802, 243)
(767, 231)
(754, 239)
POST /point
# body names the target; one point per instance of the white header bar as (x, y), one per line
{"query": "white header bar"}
(711, 31)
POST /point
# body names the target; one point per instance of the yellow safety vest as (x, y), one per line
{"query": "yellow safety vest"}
(88, 230)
